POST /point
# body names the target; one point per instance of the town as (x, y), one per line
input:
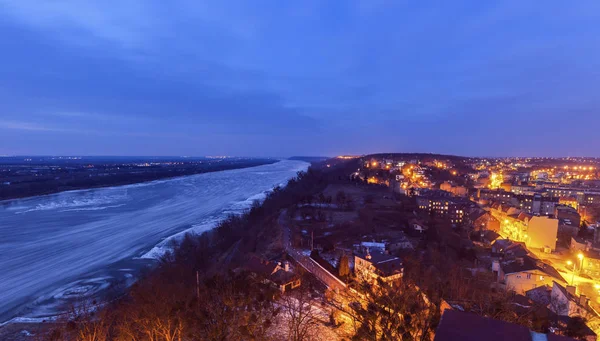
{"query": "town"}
(389, 247)
(518, 237)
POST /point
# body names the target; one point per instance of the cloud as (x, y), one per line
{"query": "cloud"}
(293, 71)
(29, 126)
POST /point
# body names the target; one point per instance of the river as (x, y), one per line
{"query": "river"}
(73, 245)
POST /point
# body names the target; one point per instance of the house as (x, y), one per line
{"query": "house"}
(459, 191)
(480, 219)
(516, 224)
(591, 260)
(565, 302)
(399, 243)
(508, 249)
(489, 237)
(578, 244)
(417, 226)
(373, 246)
(457, 325)
(525, 273)
(569, 213)
(274, 273)
(567, 227)
(372, 265)
(540, 295)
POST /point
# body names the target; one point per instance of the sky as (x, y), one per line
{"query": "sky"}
(284, 78)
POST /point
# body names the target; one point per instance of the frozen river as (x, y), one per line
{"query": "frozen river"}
(75, 244)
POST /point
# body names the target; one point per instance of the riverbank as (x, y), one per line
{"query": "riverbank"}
(18, 181)
(80, 242)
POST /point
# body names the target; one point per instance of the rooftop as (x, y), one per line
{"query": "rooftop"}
(457, 325)
(528, 263)
(386, 264)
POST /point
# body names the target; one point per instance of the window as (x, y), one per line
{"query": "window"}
(528, 276)
(541, 278)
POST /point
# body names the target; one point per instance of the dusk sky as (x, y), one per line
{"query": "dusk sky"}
(283, 78)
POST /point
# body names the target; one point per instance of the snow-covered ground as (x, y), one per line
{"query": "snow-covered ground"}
(76, 243)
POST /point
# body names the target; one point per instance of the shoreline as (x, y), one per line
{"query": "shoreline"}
(139, 181)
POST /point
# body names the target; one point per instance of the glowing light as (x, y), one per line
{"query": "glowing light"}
(580, 256)
(372, 180)
(569, 262)
(496, 180)
(374, 164)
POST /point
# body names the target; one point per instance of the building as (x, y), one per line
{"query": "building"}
(372, 265)
(543, 297)
(525, 273)
(459, 191)
(523, 189)
(457, 325)
(515, 224)
(590, 261)
(537, 204)
(274, 273)
(591, 198)
(480, 219)
(565, 302)
(495, 195)
(508, 249)
(399, 243)
(416, 227)
(568, 213)
(569, 201)
(443, 205)
(577, 244)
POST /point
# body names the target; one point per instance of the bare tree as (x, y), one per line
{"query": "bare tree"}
(301, 316)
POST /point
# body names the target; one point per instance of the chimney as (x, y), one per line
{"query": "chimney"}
(368, 256)
(286, 266)
(572, 290)
(583, 300)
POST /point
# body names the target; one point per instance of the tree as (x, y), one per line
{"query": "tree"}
(340, 199)
(388, 311)
(322, 199)
(300, 314)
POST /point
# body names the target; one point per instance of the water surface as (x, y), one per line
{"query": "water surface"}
(74, 244)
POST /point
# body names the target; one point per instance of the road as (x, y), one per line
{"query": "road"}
(586, 286)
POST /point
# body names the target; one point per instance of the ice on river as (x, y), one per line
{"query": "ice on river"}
(69, 243)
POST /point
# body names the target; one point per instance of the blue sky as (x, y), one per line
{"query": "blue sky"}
(190, 77)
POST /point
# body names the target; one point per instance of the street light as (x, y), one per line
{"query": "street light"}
(573, 275)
